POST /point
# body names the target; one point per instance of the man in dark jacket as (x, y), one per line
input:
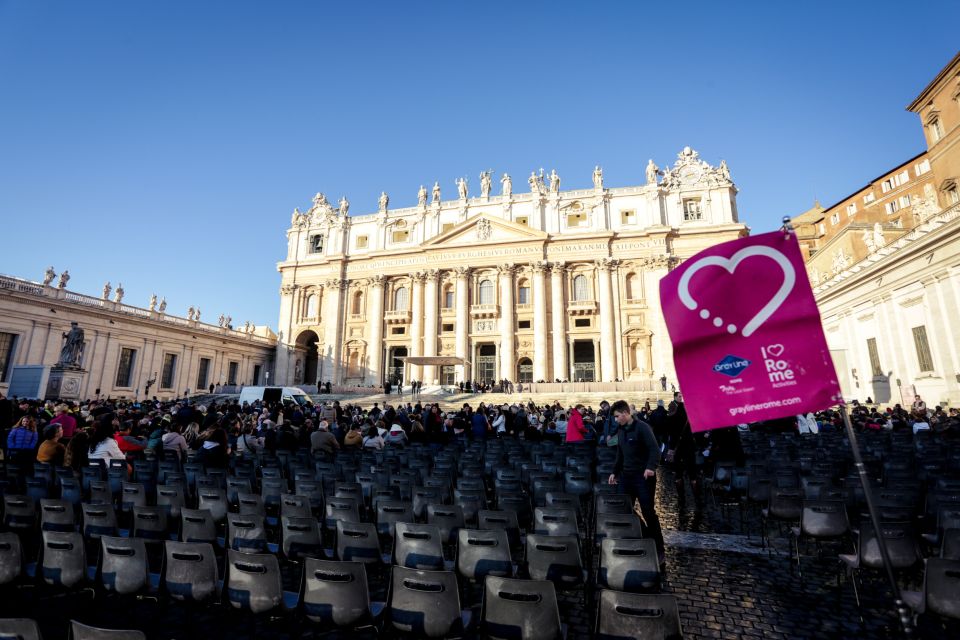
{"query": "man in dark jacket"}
(636, 468)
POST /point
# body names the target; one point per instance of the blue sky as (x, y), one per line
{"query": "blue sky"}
(164, 144)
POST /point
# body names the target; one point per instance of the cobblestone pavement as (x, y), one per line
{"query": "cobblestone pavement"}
(728, 586)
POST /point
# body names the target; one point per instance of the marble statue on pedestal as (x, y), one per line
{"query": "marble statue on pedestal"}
(436, 192)
(507, 183)
(106, 291)
(554, 181)
(384, 201)
(597, 177)
(190, 313)
(344, 206)
(422, 196)
(118, 294)
(64, 279)
(48, 276)
(461, 188)
(153, 302)
(163, 305)
(72, 347)
(485, 183)
(652, 172)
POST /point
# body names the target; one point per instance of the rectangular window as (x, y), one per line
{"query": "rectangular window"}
(924, 358)
(447, 328)
(524, 324)
(886, 185)
(523, 295)
(835, 219)
(581, 322)
(921, 168)
(575, 220)
(448, 299)
(7, 343)
(892, 207)
(232, 373)
(953, 196)
(401, 236)
(398, 331)
(936, 130)
(316, 243)
(867, 199)
(125, 367)
(256, 373)
(202, 373)
(521, 220)
(874, 357)
(362, 242)
(691, 209)
(904, 201)
(851, 208)
(628, 217)
(822, 228)
(169, 371)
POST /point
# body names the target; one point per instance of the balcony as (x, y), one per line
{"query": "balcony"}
(582, 307)
(397, 317)
(484, 310)
(524, 308)
(356, 316)
(448, 312)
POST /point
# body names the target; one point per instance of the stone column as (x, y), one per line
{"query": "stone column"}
(463, 319)
(508, 349)
(284, 361)
(375, 320)
(539, 322)
(598, 361)
(430, 313)
(559, 317)
(608, 346)
(416, 325)
(332, 333)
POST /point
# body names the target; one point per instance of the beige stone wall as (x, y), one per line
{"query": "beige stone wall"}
(38, 315)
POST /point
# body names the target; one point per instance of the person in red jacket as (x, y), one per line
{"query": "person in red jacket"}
(575, 429)
(129, 444)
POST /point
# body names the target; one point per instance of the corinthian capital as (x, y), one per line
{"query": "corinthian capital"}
(539, 267)
(377, 280)
(607, 264)
(432, 274)
(462, 272)
(288, 289)
(506, 269)
(334, 283)
(418, 276)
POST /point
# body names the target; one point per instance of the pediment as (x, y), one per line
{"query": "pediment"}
(485, 229)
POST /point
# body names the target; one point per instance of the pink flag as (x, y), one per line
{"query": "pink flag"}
(747, 340)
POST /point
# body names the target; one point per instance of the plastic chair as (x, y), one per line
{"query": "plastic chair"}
(555, 558)
(11, 559)
(19, 512)
(83, 632)
(98, 520)
(525, 609)
(19, 629)
(253, 582)
(483, 552)
(623, 616)
(629, 565)
(214, 501)
(300, 537)
(170, 497)
(123, 565)
(941, 589)
(820, 520)
(390, 513)
(57, 515)
(555, 521)
(150, 523)
(335, 594)
(62, 559)
(617, 525)
(358, 542)
(418, 546)
(424, 604)
(246, 533)
(197, 525)
(189, 571)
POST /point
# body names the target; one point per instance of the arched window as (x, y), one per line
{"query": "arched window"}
(634, 291)
(448, 296)
(357, 303)
(400, 299)
(523, 292)
(313, 303)
(486, 292)
(580, 288)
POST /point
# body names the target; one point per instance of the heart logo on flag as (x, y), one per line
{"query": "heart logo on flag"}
(775, 350)
(730, 264)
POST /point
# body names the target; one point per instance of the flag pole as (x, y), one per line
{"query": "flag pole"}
(902, 612)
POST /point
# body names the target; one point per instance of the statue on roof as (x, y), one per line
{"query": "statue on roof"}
(507, 183)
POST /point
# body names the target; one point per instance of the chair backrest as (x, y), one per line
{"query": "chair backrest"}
(19, 629)
(171, 498)
(824, 518)
(950, 549)
(424, 604)
(341, 510)
(483, 552)
(98, 520)
(246, 533)
(358, 542)
(214, 501)
(57, 515)
(251, 504)
(295, 506)
(449, 518)
(631, 615)
(613, 503)
(391, 512)
(189, 571)
(554, 558)
(525, 609)
(123, 564)
(299, 536)
(617, 525)
(942, 587)
(132, 494)
(197, 525)
(253, 581)
(63, 559)
(271, 489)
(902, 545)
(11, 558)
(83, 632)
(418, 546)
(335, 593)
(19, 511)
(785, 503)
(629, 565)
(555, 521)
(561, 500)
(100, 492)
(150, 523)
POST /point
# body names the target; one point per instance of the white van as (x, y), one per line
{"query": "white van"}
(274, 394)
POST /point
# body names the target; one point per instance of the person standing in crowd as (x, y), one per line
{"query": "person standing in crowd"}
(65, 420)
(636, 467)
(576, 431)
(103, 445)
(682, 454)
(22, 441)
